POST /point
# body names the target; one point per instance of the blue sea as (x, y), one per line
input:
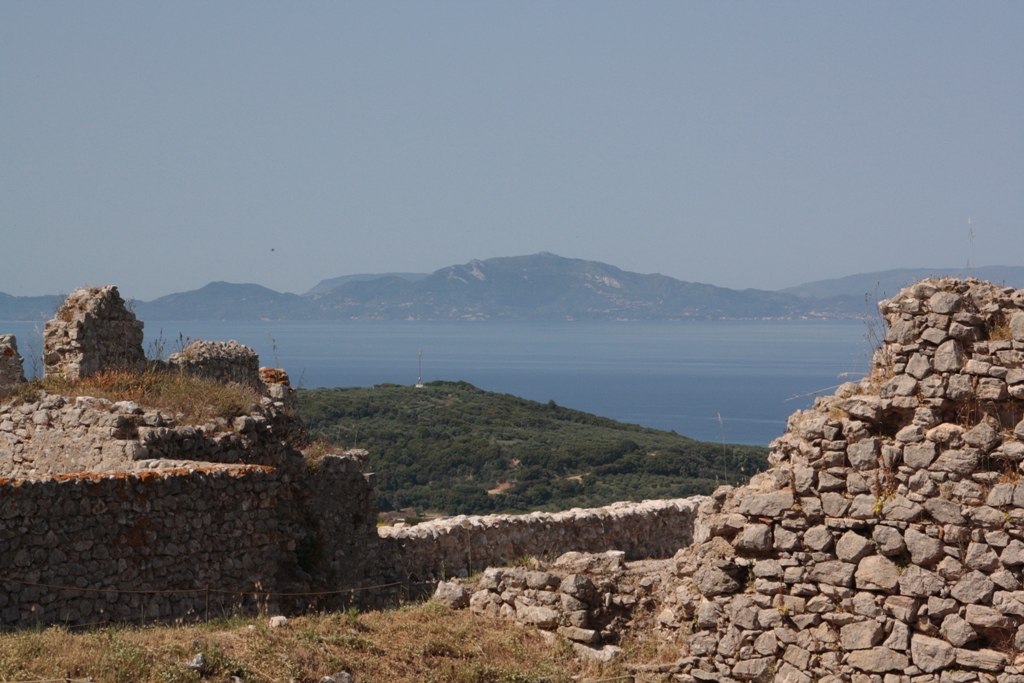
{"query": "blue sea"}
(735, 381)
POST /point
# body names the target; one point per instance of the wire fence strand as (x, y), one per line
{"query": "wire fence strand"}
(219, 591)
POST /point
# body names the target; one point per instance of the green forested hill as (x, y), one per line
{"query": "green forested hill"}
(441, 448)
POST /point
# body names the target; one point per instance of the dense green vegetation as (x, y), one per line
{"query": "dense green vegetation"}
(443, 447)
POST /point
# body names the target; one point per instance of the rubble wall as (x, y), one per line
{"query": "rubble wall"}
(457, 546)
(92, 331)
(60, 435)
(117, 533)
(887, 537)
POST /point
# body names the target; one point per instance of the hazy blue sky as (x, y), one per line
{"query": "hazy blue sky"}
(159, 146)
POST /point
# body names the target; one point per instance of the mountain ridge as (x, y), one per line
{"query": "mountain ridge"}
(540, 286)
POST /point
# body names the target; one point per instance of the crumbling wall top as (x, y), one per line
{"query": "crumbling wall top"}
(220, 362)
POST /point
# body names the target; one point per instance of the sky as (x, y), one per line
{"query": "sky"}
(161, 146)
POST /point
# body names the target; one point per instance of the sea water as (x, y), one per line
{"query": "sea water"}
(733, 381)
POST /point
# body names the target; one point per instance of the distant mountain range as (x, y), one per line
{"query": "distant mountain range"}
(538, 287)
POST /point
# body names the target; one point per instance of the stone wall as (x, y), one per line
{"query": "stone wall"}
(93, 331)
(887, 537)
(118, 533)
(457, 546)
(167, 534)
(224, 362)
(12, 371)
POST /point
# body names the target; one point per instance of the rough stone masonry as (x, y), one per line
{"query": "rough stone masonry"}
(885, 544)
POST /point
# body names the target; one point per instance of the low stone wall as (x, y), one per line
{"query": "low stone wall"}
(457, 546)
(12, 372)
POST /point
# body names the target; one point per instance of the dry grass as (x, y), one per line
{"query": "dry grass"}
(175, 393)
(999, 330)
(425, 642)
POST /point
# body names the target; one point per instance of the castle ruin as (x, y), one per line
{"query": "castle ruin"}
(885, 543)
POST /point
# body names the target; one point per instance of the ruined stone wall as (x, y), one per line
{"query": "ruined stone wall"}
(92, 331)
(224, 362)
(341, 548)
(12, 372)
(457, 546)
(59, 435)
(167, 534)
(887, 538)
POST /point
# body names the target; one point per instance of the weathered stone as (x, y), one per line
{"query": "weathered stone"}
(980, 556)
(944, 511)
(957, 631)
(991, 389)
(867, 408)
(973, 587)
(818, 539)
(901, 509)
(984, 617)
(833, 573)
(924, 550)
(453, 595)
(949, 357)
(1017, 326)
(580, 635)
(852, 547)
(962, 462)
(945, 303)
(541, 617)
(758, 670)
(876, 572)
(578, 586)
(878, 660)
(766, 504)
(920, 583)
(983, 437)
(931, 654)
(1013, 554)
(755, 538)
(888, 540)
(834, 504)
(861, 635)
(919, 366)
(711, 582)
(919, 455)
(986, 660)
(863, 455)
(902, 607)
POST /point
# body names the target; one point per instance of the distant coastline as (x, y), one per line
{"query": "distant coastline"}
(537, 287)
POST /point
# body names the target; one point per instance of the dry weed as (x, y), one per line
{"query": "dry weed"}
(171, 392)
(425, 642)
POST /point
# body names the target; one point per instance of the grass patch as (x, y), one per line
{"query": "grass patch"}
(424, 642)
(175, 393)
